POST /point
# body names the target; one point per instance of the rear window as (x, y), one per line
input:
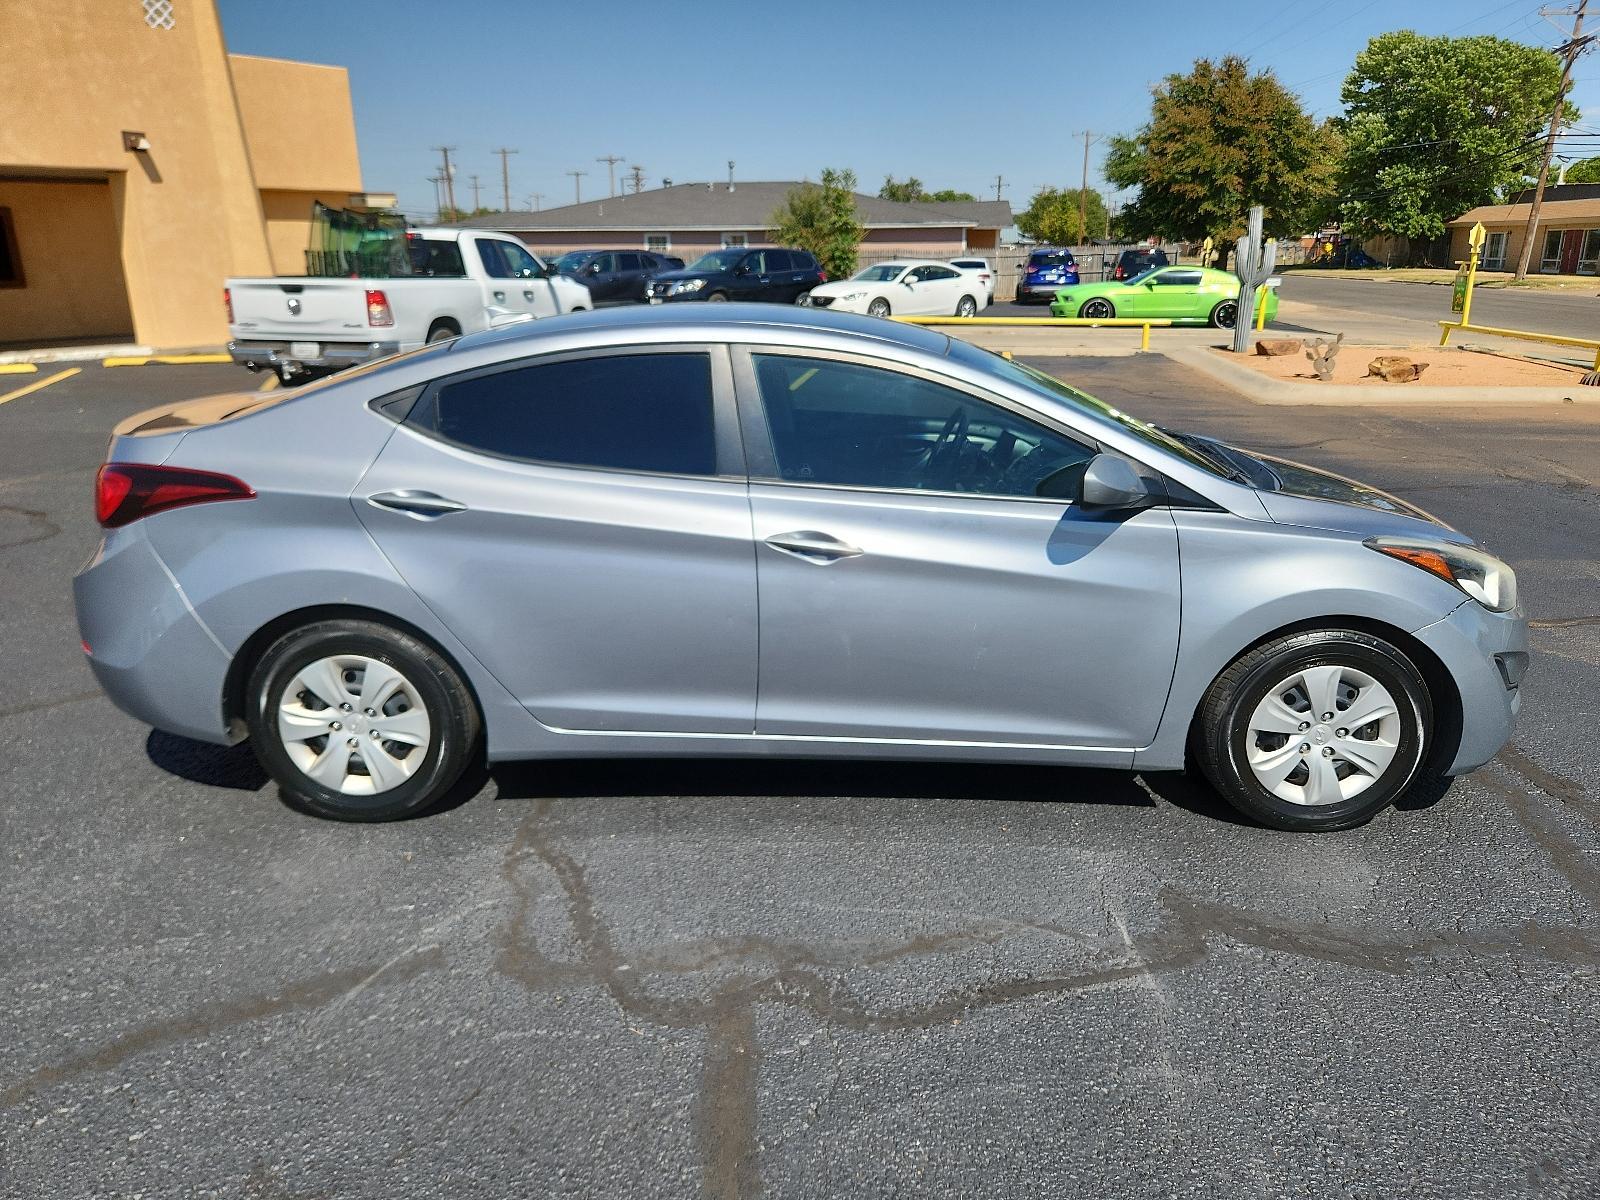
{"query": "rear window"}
(634, 412)
(435, 258)
(1050, 258)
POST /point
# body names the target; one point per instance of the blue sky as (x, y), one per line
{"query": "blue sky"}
(953, 93)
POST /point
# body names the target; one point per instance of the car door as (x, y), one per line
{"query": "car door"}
(1174, 293)
(921, 295)
(945, 287)
(535, 285)
(600, 274)
(630, 276)
(914, 585)
(580, 522)
(507, 291)
(749, 278)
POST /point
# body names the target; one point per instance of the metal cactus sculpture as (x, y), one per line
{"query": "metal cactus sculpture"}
(1254, 262)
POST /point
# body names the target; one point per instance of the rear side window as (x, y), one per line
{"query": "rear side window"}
(803, 260)
(778, 260)
(628, 262)
(634, 412)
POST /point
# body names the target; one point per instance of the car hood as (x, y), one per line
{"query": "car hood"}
(674, 276)
(1318, 499)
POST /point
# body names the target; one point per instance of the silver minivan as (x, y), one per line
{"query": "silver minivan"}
(740, 530)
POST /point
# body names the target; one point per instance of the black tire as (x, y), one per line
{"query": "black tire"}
(1225, 315)
(878, 308)
(1097, 308)
(717, 297)
(966, 307)
(804, 299)
(1222, 736)
(454, 732)
(443, 331)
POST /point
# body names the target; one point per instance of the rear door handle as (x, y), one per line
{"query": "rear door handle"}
(424, 506)
(814, 547)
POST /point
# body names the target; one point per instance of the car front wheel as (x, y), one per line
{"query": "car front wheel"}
(1097, 310)
(360, 722)
(878, 308)
(1313, 731)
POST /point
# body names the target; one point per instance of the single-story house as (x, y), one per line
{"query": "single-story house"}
(689, 219)
(1567, 241)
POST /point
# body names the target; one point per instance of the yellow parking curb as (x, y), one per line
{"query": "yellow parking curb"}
(17, 368)
(271, 382)
(43, 383)
(142, 360)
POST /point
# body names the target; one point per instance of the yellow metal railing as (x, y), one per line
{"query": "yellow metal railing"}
(1554, 339)
(1142, 323)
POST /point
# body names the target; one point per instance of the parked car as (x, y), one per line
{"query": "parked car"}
(1138, 260)
(615, 276)
(549, 541)
(462, 281)
(1184, 295)
(904, 289)
(772, 275)
(984, 272)
(1046, 269)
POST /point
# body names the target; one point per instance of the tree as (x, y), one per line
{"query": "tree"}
(1434, 126)
(1220, 139)
(1052, 216)
(823, 220)
(1585, 170)
(911, 191)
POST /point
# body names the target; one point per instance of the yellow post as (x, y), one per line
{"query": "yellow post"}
(1261, 310)
(1474, 244)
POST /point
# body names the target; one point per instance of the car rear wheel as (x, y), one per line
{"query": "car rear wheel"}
(1315, 731)
(443, 331)
(1226, 314)
(360, 722)
(1097, 309)
(966, 307)
(878, 308)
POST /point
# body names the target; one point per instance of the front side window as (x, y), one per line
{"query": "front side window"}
(519, 261)
(717, 260)
(1178, 278)
(494, 263)
(636, 412)
(859, 426)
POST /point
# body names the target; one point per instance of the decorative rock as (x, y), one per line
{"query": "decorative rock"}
(1276, 347)
(1394, 368)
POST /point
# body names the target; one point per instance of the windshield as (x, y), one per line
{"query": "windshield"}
(573, 260)
(1048, 385)
(882, 273)
(1053, 258)
(717, 260)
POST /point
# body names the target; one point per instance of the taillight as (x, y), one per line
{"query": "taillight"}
(227, 302)
(823, 275)
(378, 308)
(124, 492)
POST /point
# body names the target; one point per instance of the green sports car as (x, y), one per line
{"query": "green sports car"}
(1187, 295)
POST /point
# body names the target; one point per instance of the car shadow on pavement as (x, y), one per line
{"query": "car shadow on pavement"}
(201, 762)
(789, 778)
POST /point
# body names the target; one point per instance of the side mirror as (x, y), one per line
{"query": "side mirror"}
(594, 268)
(907, 282)
(1111, 484)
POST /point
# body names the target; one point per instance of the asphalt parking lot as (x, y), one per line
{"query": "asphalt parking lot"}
(715, 979)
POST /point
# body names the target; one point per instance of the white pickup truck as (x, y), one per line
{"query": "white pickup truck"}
(461, 281)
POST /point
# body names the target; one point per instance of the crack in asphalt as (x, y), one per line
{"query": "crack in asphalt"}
(1184, 935)
(1563, 622)
(302, 995)
(34, 706)
(43, 527)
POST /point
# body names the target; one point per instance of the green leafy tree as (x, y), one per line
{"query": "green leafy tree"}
(822, 219)
(1220, 139)
(1052, 216)
(911, 191)
(1434, 126)
(1585, 170)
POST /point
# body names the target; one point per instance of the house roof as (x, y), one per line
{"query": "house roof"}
(1551, 212)
(740, 206)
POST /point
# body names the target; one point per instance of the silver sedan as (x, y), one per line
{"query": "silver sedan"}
(743, 531)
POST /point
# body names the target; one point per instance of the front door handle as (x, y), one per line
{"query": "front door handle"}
(814, 547)
(527, 293)
(424, 506)
(500, 296)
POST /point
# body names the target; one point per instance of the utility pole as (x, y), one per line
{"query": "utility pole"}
(1083, 192)
(533, 200)
(505, 174)
(638, 178)
(438, 198)
(577, 185)
(999, 182)
(730, 174)
(476, 188)
(1569, 52)
(611, 161)
(449, 180)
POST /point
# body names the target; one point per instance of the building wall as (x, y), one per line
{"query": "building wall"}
(689, 244)
(288, 217)
(70, 253)
(298, 124)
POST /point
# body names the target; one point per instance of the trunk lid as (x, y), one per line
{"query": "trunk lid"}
(301, 308)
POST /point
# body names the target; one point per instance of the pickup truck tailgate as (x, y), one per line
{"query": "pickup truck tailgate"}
(300, 309)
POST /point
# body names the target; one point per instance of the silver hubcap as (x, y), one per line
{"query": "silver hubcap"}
(1098, 309)
(354, 724)
(803, 299)
(1323, 735)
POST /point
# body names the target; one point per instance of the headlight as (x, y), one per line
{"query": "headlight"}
(688, 285)
(1482, 576)
(853, 296)
(1063, 297)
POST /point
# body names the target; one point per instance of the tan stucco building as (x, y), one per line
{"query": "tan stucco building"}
(1568, 237)
(140, 164)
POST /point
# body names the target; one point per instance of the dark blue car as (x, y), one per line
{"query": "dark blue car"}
(1047, 268)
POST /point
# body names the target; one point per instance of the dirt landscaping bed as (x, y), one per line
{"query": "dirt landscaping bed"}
(1448, 366)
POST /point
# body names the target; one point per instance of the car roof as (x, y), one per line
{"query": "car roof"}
(695, 323)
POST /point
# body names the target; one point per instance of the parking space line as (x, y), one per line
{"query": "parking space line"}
(17, 368)
(143, 360)
(43, 383)
(270, 383)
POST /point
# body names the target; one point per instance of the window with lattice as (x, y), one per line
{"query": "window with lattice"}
(158, 14)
